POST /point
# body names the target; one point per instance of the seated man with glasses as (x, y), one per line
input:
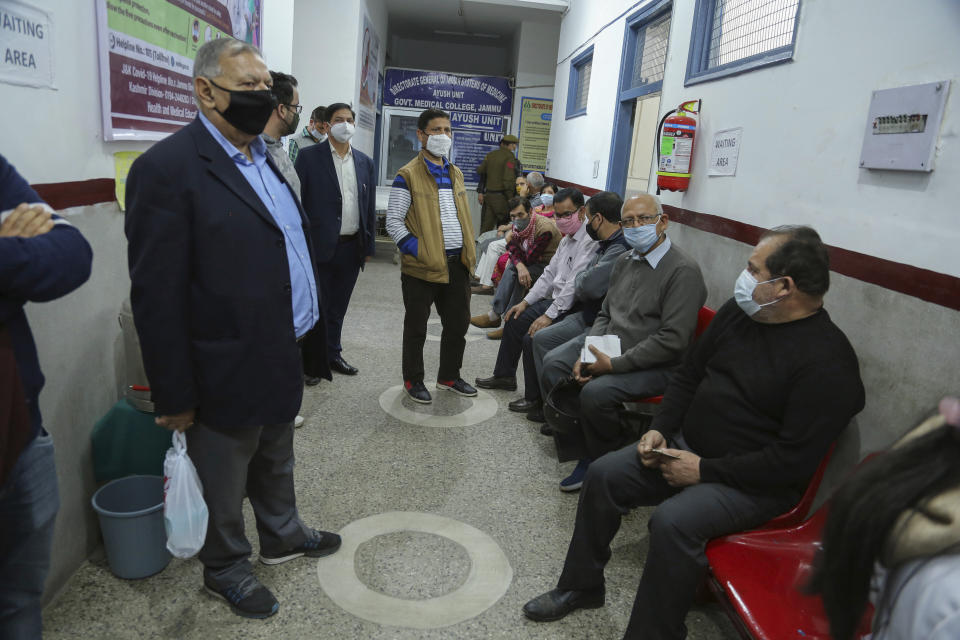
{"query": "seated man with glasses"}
(551, 295)
(652, 301)
(532, 242)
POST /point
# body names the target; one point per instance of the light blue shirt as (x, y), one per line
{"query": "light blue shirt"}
(276, 197)
(655, 256)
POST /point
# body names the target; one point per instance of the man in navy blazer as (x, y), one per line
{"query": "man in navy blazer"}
(338, 189)
(223, 287)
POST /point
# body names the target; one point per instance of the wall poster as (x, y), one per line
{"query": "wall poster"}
(26, 45)
(146, 50)
(535, 115)
(368, 73)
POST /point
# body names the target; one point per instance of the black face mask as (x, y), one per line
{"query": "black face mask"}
(248, 111)
(594, 235)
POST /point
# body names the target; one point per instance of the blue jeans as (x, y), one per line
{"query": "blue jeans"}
(29, 501)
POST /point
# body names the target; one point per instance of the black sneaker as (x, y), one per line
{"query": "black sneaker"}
(319, 544)
(417, 392)
(247, 598)
(457, 386)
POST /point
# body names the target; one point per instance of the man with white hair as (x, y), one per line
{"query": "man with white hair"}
(535, 184)
(652, 301)
(223, 286)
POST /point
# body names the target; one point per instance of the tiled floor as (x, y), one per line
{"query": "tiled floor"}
(354, 461)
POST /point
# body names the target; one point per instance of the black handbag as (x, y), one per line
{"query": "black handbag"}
(562, 411)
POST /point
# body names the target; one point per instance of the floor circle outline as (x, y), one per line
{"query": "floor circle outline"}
(488, 580)
(483, 408)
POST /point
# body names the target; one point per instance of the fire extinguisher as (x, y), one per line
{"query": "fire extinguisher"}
(676, 134)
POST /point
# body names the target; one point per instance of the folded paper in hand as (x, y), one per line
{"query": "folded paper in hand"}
(608, 345)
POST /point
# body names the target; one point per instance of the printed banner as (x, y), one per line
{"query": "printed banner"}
(26, 42)
(479, 108)
(146, 52)
(535, 116)
(447, 91)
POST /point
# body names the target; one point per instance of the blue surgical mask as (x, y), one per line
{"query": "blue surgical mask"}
(743, 293)
(546, 199)
(641, 238)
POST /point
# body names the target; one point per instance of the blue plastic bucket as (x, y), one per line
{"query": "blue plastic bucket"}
(131, 518)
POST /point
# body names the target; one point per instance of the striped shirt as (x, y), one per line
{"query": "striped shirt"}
(400, 203)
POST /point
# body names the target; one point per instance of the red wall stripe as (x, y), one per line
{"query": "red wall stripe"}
(938, 288)
(62, 195)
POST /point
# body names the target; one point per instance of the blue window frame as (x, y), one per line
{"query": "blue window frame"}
(579, 86)
(645, 41)
(734, 36)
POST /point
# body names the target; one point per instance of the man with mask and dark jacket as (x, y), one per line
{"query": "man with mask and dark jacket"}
(223, 286)
(735, 443)
(42, 257)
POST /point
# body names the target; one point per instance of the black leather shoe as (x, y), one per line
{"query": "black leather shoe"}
(546, 429)
(523, 405)
(311, 381)
(498, 382)
(417, 392)
(537, 416)
(340, 365)
(556, 604)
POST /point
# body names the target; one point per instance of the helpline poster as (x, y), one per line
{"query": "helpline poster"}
(146, 51)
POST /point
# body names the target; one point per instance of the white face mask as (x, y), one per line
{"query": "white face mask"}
(743, 293)
(319, 137)
(439, 145)
(342, 131)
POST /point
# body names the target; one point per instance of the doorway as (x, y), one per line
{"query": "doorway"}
(646, 37)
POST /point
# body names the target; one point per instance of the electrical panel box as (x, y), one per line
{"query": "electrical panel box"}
(902, 127)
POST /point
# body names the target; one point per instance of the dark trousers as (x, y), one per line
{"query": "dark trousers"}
(336, 280)
(255, 460)
(494, 211)
(601, 398)
(452, 300)
(29, 500)
(680, 527)
(509, 291)
(511, 345)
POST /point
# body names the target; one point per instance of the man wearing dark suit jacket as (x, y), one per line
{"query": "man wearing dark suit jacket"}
(339, 195)
(223, 286)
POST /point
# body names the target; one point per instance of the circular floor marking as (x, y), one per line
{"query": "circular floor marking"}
(484, 406)
(473, 333)
(490, 574)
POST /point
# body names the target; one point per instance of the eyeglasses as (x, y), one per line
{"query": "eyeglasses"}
(563, 216)
(296, 107)
(639, 221)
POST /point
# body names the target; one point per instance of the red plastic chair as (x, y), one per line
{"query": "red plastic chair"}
(758, 575)
(704, 317)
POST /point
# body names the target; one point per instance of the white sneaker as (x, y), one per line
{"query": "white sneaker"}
(298, 422)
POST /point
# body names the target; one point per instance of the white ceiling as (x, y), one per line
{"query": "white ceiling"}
(421, 18)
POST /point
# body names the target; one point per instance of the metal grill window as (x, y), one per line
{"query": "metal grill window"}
(583, 85)
(745, 28)
(650, 55)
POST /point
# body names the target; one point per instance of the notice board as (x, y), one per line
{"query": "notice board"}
(146, 51)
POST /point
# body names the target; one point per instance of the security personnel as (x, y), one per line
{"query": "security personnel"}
(498, 172)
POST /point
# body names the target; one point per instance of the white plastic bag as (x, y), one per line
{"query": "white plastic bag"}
(184, 511)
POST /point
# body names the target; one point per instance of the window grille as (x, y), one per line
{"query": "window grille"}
(650, 56)
(745, 28)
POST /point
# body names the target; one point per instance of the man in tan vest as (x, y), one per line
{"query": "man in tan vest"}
(429, 218)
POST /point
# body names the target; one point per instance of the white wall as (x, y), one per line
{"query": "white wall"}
(803, 129)
(578, 144)
(60, 132)
(326, 53)
(803, 125)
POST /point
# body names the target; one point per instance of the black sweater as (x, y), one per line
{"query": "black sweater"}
(761, 403)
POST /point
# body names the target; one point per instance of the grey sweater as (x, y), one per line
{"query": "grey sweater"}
(652, 310)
